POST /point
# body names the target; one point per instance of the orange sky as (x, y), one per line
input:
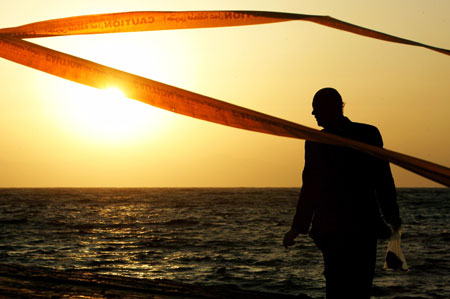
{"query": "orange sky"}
(58, 133)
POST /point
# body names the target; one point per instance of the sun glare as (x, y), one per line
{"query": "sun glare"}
(107, 115)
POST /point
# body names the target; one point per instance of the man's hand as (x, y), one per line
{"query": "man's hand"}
(396, 223)
(289, 238)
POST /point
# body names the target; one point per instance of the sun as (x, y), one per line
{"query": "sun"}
(106, 115)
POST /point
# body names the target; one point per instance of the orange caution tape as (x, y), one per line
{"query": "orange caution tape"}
(175, 99)
(163, 20)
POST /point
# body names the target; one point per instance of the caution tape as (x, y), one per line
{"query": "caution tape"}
(164, 20)
(178, 100)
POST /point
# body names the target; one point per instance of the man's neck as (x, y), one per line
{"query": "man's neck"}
(336, 123)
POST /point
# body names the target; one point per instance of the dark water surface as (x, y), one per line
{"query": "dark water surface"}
(209, 236)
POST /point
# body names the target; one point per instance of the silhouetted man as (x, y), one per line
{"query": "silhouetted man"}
(342, 194)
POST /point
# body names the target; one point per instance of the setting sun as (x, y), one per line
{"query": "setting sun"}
(106, 115)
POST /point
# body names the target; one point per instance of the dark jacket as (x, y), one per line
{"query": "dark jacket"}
(343, 189)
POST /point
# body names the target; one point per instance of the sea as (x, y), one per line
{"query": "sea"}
(210, 236)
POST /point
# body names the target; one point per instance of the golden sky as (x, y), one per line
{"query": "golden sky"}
(56, 133)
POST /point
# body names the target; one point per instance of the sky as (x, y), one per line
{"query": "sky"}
(56, 133)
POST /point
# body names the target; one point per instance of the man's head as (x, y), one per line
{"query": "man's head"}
(327, 106)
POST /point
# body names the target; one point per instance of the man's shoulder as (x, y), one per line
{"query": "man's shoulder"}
(365, 133)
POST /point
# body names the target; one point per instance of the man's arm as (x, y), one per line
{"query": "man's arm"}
(305, 209)
(385, 188)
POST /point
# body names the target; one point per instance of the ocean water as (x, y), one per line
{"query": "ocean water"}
(210, 236)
